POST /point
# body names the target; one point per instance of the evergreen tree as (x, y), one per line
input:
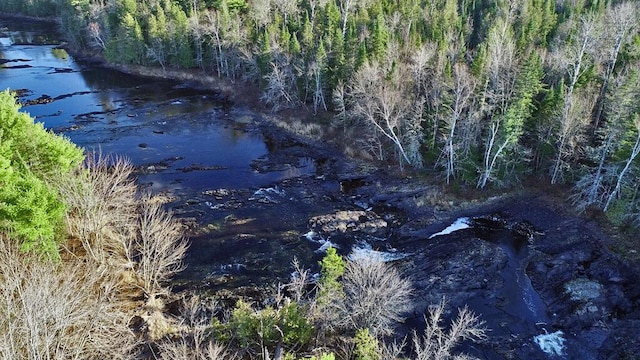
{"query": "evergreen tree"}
(31, 159)
(507, 131)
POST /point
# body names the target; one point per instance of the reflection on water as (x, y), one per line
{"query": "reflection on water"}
(146, 120)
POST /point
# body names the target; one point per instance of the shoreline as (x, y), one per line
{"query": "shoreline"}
(247, 95)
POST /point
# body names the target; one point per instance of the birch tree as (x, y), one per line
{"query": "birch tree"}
(461, 92)
(596, 186)
(573, 58)
(505, 132)
(314, 5)
(288, 8)
(629, 109)
(633, 154)
(499, 72)
(379, 98)
(621, 23)
(346, 8)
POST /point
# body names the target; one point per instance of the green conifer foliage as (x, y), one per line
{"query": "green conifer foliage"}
(366, 346)
(30, 160)
(332, 268)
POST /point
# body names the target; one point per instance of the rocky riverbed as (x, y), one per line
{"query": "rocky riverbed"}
(541, 278)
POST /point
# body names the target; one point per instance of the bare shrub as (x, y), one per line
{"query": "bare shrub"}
(392, 350)
(376, 295)
(160, 246)
(126, 239)
(101, 207)
(57, 311)
(188, 350)
(300, 280)
(438, 343)
(195, 340)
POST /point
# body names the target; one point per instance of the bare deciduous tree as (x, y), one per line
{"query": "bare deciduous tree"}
(379, 98)
(281, 89)
(436, 343)
(633, 154)
(500, 72)
(287, 8)
(347, 7)
(571, 132)
(195, 342)
(58, 311)
(428, 70)
(461, 92)
(595, 187)
(260, 12)
(160, 246)
(573, 58)
(101, 206)
(620, 23)
(314, 5)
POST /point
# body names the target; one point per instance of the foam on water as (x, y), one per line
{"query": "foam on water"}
(459, 224)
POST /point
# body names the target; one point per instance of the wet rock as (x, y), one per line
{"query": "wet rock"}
(583, 290)
(350, 221)
(219, 194)
(44, 99)
(196, 167)
(18, 67)
(5, 61)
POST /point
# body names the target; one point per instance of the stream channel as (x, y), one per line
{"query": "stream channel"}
(207, 155)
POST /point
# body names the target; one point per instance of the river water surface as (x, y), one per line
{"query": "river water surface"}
(196, 141)
(184, 143)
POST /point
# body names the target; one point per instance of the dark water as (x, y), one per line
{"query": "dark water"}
(184, 140)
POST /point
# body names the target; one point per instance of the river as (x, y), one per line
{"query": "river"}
(202, 143)
(249, 197)
(188, 145)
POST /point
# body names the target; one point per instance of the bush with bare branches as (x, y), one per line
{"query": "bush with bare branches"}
(195, 342)
(57, 311)
(376, 295)
(438, 343)
(160, 246)
(101, 202)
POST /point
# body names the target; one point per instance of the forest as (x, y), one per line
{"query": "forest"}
(486, 93)
(483, 94)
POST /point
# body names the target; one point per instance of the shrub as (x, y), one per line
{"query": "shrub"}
(332, 268)
(437, 343)
(101, 208)
(31, 159)
(376, 295)
(57, 311)
(269, 328)
(195, 341)
(330, 293)
(160, 246)
(366, 346)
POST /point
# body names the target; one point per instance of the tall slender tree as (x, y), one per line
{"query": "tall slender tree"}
(574, 59)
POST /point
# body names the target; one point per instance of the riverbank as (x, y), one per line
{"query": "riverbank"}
(251, 234)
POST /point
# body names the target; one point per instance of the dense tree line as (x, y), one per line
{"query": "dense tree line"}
(487, 92)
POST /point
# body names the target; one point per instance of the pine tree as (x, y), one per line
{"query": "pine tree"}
(506, 133)
(31, 159)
